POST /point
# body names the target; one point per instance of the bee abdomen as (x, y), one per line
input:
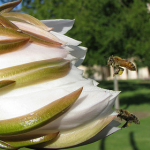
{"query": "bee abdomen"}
(129, 65)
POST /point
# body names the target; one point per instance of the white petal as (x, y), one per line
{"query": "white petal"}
(90, 105)
(92, 102)
(36, 30)
(30, 53)
(108, 130)
(66, 39)
(111, 102)
(86, 105)
(79, 52)
(59, 25)
(73, 76)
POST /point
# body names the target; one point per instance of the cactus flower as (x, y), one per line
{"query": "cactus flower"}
(45, 101)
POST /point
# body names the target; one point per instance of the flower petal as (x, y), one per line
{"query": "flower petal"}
(8, 6)
(39, 117)
(4, 83)
(78, 135)
(109, 129)
(15, 16)
(33, 29)
(106, 131)
(108, 108)
(92, 101)
(78, 52)
(8, 32)
(5, 145)
(21, 141)
(6, 23)
(66, 39)
(60, 25)
(9, 45)
(30, 53)
(36, 71)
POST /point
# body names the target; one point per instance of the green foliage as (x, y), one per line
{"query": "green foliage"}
(118, 27)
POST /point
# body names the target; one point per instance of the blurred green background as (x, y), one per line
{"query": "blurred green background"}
(109, 27)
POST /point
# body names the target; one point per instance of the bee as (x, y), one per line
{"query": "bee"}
(128, 117)
(118, 63)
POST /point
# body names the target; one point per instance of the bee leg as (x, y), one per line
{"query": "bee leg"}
(127, 124)
(116, 72)
(120, 71)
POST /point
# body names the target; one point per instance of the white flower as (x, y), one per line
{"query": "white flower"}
(43, 95)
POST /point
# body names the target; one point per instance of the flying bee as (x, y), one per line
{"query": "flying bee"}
(118, 63)
(128, 117)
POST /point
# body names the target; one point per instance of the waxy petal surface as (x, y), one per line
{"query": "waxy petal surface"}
(8, 32)
(6, 23)
(66, 39)
(30, 53)
(36, 71)
(21, 141)
(78, 135)
(59, 25)
(106, 131)
(79, 52)
(5, 145)
(4, 83)
(38, 118)
(10, 45)
(8, 6)
(32, 29)
(96, 101)
(14, 16)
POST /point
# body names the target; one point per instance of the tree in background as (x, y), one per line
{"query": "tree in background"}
(118, 27)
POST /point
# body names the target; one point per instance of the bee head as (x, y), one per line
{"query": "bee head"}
(110, 60)
(120, 112)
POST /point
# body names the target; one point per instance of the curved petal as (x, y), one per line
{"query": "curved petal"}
(8, 32)
(91, 103)
(78, 135)
(6, 23)
(22, 17)
(106, 131)
(73, 76)
(33, 29)
(12, 44)
(59, 25)
(4, 83)
(30, 53)
(39, 117)
(78, 52)
(5, 145)
(66, 39)
(22, 141)
(38, 71)
(8, 6)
